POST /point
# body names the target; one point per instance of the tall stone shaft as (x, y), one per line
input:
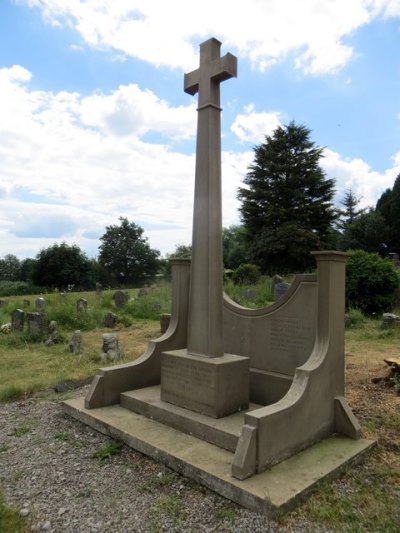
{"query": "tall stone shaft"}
(206, 281)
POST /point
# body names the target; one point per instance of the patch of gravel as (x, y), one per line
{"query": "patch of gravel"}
(49, 471)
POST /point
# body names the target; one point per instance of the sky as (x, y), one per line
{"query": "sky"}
(95, 125)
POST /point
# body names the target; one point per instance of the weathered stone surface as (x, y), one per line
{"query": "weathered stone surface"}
(120, 298)
(81, 305)
(390, 320)
(36, 324)
(40, 304)
(111, 350)
(110, 320)
(6, 328)
(142, 292)
(26, 302)
(165, 319)
(75, 345)
(53, 334)
(18, 320)
(280, 289)
(249, 294)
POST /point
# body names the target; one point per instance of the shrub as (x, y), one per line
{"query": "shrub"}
(371, 283)
(246, 274)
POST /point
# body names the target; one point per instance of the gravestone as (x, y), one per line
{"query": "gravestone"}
(280, 289)
(143, 292)
(36, 324)
(26, 302)
(110, 320)
(3, 303)
(111, 349)
(53, 337)
(81, 305)
(120, 299)
(240, 389)
(17, 320)
(40, 304)
(165, 319)
(75, 344)
(390, 320)
(249, 294)
(99, 290)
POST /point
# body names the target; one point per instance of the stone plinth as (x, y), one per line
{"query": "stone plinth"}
(214, 387)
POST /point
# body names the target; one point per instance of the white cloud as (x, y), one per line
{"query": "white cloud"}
(252, 126)
(163, 33)
(357, 175)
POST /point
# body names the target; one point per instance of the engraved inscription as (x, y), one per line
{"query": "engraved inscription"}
(289, 334)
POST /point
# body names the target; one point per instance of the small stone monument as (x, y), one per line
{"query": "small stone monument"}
(40, 304)
(111, 350)
(53, 335)
(110, 320)
(120, 298)
(99, 290)
(17, 320)
(143, 292)
(75, 345)
(280, 289)
(390, 320)
(26, 303)
(3, 303)
(81, 305)
(36, 324)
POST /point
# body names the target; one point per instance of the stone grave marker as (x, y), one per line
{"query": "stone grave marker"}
(99, 290)
(17, 320)
(36, 324)
(280, 289)
(53, 336)
(81, 305)
(40, 304)
(111, 349)
(75, 344)
(26, 303)
(120, 299)
(110, 320)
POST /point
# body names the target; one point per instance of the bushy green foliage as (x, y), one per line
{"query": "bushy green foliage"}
(371, 282)
(15, 288)
(246, 274)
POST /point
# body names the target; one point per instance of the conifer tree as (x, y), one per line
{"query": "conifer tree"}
(287, 206)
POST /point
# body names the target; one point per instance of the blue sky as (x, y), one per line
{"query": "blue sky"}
(94, 123)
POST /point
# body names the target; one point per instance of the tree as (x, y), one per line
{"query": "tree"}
(367, 232)
(9, 268)
(62, 266)
(235, 247)
(350, 212)
(388, 206)
(126, 254)
(27, 269)
(287, 206)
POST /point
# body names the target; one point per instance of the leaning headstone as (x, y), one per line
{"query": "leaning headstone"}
(277, 279)
(389, 320)
(165, 319)
(6, 328)
(120, 298)
(26, 303)
(17, 320)
(81, 305)
(280, 289)
(53, 335)
(40, 304)
(110, 320)
(249, 295)
(75, 345)
(36, 324)
(111, 350)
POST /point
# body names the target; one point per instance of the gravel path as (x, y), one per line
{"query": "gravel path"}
(48, 470)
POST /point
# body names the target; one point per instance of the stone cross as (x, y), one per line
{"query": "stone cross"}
(206, 281)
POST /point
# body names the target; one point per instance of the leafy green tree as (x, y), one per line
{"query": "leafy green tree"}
(181, 250)
(9, 268)
(27, 268)
(388, 206)
(287, 206)
(62, 266)
(235, 246)
(126, 254)
(367, 232)
(371, 282)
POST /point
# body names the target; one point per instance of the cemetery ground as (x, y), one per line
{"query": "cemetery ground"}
(59, 475)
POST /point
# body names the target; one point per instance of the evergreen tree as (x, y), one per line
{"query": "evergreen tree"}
(286, 207)
(350, 211)
(367, 232)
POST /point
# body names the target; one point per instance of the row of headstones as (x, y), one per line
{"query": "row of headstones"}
(111, 349)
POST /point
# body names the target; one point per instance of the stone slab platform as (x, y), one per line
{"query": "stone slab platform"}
(279, 488)
(223, 432)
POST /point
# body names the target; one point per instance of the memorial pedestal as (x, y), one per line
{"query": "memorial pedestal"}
(215, 387)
